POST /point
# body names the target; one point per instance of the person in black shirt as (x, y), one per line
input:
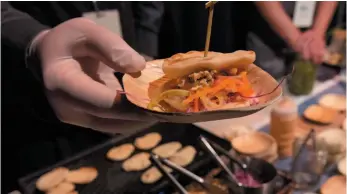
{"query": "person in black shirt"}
(139, 21)
(272, 33)
(74, 64)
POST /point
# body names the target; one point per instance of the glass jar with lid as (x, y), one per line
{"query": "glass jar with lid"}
(302, 79)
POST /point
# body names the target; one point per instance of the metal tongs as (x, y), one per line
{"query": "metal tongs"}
(311, 135)
(211, 147)
(158, 162)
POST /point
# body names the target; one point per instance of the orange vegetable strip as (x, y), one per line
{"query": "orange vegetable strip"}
(196, 105)
(240, 85)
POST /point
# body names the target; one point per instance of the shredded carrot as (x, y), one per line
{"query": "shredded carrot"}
(196, 105)
(243, 74)
(230, 84)
(197, 95)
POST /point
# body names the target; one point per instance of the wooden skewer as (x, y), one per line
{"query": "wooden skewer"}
(209, 5)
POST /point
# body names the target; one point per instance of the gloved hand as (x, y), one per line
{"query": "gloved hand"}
(78, 61)
(311, 45)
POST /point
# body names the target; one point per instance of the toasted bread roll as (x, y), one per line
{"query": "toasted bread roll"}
(320, 114)
(82, 175)
(168, 149)
(62, 188)
(121, 152)
(153, 174)
(333, 101)
(137, 162)
(180, 65)
(52, 179)
(148, 141)
(184, 157)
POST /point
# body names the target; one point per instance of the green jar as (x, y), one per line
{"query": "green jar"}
(301, 81)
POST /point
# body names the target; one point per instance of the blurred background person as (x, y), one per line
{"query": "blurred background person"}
(137, 22)
(185, 23)
(33, 136)
(276, 27)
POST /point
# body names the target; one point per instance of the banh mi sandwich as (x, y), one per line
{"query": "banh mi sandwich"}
(194, 83)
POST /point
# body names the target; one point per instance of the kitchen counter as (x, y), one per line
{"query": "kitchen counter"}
(260, 120)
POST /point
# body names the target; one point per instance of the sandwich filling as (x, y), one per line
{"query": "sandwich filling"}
(206, 90)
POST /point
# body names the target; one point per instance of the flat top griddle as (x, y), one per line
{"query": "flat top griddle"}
(113, 180)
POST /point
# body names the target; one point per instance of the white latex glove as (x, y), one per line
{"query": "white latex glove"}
(78, 61)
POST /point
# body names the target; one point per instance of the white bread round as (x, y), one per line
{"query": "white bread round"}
(183, 64)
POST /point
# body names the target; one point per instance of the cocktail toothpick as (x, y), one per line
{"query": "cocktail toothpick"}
(210, 6)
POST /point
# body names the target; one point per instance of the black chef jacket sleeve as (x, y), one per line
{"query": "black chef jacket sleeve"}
(148, 16)
(18, 28)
